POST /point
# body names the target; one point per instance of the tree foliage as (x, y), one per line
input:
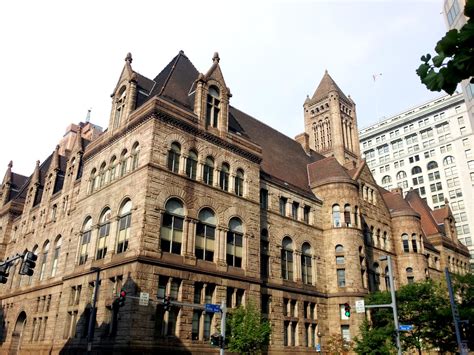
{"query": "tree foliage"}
(247, 332)
(425, 305)
(454, 59)
(463, 286)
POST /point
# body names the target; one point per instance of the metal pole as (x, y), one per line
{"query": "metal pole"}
(92, 315)
(454, 310)
(394, 303)
(224, 311)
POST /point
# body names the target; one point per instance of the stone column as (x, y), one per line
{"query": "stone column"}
(297, 265)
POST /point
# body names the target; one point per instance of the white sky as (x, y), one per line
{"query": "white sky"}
(60, 58)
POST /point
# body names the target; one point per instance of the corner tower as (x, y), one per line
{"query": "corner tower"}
(331, 123)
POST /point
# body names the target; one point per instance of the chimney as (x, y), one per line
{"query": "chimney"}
(303, 139)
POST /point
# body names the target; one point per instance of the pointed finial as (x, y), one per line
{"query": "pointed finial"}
(446, 201)
(326, 71)
(216, 58)
(129, 58)
(181, 52)
(10, 164)
(88, 117)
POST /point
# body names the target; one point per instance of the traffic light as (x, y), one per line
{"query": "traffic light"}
(122, 298)
(167, 303)
(4, 273)
(216, 340)
(28, 264)
(347, 309)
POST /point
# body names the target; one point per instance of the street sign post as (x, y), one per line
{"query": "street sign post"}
(212, 308)
(405, 327)
(144, 299)
(360, 306)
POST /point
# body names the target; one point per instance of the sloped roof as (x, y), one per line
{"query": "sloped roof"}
(326, 85)
(428, 222)
(282, 157)
(440, 214)
(326, 169)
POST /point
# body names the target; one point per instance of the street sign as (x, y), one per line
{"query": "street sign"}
(405, 327)
(360, 306)
(144, 299)
(318, 348)
(212, 308)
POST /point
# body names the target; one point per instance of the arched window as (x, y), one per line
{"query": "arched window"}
(287, 259)
(173, 157)
(92, 180)
(413, 243)
(172, 227)
(410, 277)
(356, 216)
(224, 177)
(102, 174)
(208, 171)
(120, 106)
(239, 182)
(104, 230)
(125, 220)
(44, 260)
(213, 107)
(384, 244)
(401, 175)
(135, 154)
(57, 251)
(205, 235)
(406, 247)
(415, 170)
(387, 279)
(113, 167)
(234, 243)
(85, 240)
(306, 266)
(376, 277)
(336, 216)
(347, 215)
(387, 179)
(339, 248)
(191, 165)
(448, 160)
(123, 162)
(432, 165)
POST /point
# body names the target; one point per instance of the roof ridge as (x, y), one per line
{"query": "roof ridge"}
(170, 73)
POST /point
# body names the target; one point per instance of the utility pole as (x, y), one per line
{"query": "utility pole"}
(224, 312)
(454, 310)
(90, 328)
(392, 305)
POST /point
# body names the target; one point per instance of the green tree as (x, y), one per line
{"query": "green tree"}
(247, 332)
(463, 286)
(454, 59)
(336, 345)
(424, 305)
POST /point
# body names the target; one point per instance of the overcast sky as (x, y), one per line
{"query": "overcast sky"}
(60, 58)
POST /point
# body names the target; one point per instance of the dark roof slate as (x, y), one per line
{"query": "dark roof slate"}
(325, 169)
(326, 85)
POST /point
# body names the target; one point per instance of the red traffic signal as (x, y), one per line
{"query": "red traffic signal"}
(122, 298)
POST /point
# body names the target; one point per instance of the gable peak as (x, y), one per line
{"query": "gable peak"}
(129, 58)
(215, 58)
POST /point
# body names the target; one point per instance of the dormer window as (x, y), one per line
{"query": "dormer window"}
(120, 106)
(213, 107)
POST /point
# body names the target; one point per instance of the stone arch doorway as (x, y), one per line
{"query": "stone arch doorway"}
(17, 334)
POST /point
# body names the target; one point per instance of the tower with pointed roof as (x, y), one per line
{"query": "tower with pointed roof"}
(331, 123)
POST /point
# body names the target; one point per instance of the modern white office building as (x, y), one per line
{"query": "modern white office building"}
(428, 148)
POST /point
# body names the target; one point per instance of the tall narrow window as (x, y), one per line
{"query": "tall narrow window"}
(213, 107)
(347, 215)
(104, 230)
(208, 171)
(413, 243)
(125, 220)
(120, 106)
(85, 240)
(239, 182)
(306, 212)
(287, 259)
(410, 276)
(356, 216)
(336, 216)
(205, 231)
(44, 260)
(191, 165)
(101, 175)
(264, 258)
(294, 210)
(113, 167)
(173, 157)
(57, 251)
(341, 277)
(263, 199)
(224, 177)
(306, 267)
(234, 243)
(406, 247)
(172, 227)
(123, 163)
(135, 155)
(283, 202)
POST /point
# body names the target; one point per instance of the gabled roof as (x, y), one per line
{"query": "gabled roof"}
(326, 85)
(440, 214)
(395, 202)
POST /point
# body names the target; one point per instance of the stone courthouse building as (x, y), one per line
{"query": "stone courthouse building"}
(187, 196)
